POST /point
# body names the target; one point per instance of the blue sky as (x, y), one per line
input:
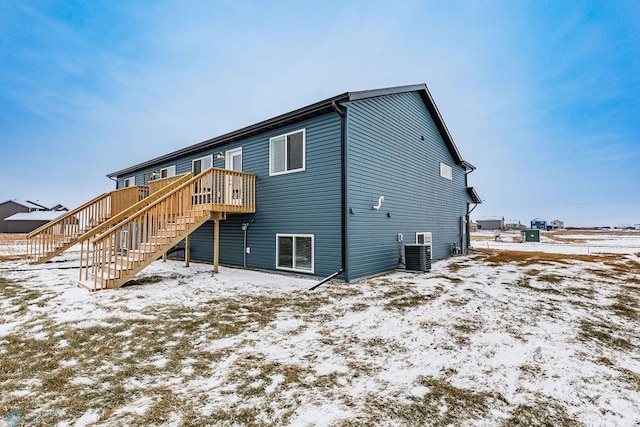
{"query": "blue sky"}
(542, 96)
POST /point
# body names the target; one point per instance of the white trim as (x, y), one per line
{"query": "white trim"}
(427, 238)
(227, 158)
(293, 252)
(446, 171)
(133, 183)
(171, 171)
(304, 153)
(201, 158)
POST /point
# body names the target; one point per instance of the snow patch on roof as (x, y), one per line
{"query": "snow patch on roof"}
(35, 216)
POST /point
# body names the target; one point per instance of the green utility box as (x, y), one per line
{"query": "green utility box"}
(531, 235)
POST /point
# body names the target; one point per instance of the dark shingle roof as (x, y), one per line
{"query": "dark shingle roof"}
(313, 110)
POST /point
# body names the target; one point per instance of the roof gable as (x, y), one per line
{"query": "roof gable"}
(313, 110)
(26, 204)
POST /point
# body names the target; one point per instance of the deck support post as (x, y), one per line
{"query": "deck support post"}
(187, 250)
(164, 257)
(216, 245)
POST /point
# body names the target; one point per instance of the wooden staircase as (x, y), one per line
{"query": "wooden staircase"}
(94, 217)
(56, 236)
(113, 257)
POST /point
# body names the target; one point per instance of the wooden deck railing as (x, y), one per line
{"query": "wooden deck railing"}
(56, 236)
(157, 184)
(120, 252)
(170, 185)
(123, 198)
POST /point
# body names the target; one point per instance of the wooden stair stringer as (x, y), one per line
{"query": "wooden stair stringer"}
(149, 257)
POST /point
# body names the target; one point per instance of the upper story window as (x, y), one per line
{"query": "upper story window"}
(202, 164)
(287, 153)
(446, 171)
(167, 172)
(129, 182)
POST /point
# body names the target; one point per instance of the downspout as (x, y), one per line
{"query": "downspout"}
(475, 205)
(343, 200)
(245, 228)
(115, 180)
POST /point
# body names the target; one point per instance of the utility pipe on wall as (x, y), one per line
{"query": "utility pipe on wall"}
(379, 205)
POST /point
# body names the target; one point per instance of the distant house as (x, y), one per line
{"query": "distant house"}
(491, 224)
(26, 222)
(11, 207)
(538, 224)
(513, 224)
(556, 224)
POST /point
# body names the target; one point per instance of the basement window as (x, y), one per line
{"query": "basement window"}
(287, 153)
(295, 252)
(425, 238)
(446, 171)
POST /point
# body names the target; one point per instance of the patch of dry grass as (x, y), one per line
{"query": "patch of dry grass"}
(630, 378)
(606, 334)
(12, 238)
(475, 237)
(497, 257)
(454, 267)
(626, 306)
(19, 297)
(525, 282)
(551, 278)
(592, 232)
(541, 412)
(13, 257)
(441, 404)
(556, 237)
(400, 297)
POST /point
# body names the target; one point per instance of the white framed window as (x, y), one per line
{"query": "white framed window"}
(287, 153)
(167, 172)
(425, 238)
(202, 164)
(129, 182)
(295, 252)
(446, 171)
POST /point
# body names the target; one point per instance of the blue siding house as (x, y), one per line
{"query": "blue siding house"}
(538, 224)
(340, 185)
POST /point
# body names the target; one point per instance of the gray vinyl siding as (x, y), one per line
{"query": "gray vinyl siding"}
(26, 226)
(306, 202)
(386, 157)
(6, 210)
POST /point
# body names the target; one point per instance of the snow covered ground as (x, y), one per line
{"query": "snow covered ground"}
(494, 338)
(566, 242)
